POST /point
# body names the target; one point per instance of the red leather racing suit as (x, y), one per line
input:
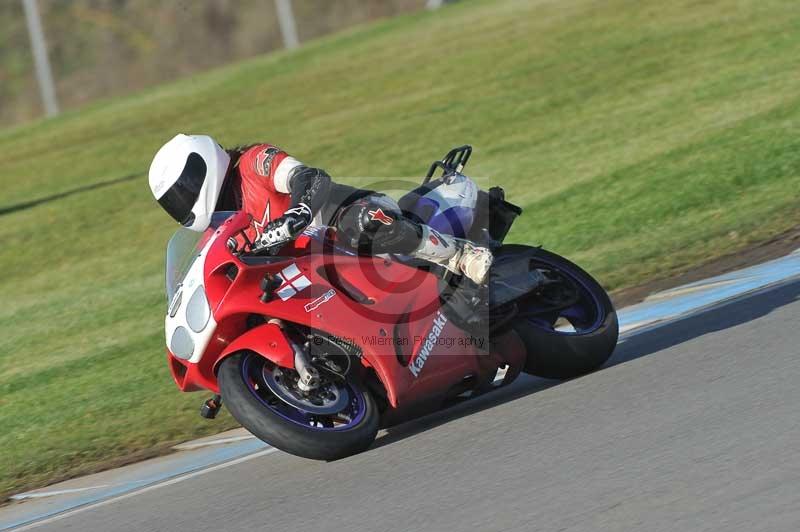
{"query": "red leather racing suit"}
(258, 183)
(265, 182)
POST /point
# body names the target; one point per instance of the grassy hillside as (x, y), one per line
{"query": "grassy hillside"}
(640, 136)
(103, 48)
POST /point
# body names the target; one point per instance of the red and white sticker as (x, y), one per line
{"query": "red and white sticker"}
(293, 282)
(379, 216)
(324, 298)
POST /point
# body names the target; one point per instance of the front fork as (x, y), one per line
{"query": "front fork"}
(309, 375)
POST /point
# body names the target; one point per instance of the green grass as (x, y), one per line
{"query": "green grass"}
(640, 136)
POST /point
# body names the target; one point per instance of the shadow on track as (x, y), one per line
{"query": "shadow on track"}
(724, 316)
(47, 199)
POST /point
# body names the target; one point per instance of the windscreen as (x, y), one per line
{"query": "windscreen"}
(184, 247)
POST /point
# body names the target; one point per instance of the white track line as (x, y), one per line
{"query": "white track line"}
(41, 494)
(188, 446)
(144, 489)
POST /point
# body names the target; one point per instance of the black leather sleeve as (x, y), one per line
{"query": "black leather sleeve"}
(310, 186)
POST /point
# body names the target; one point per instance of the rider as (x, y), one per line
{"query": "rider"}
(192, 176)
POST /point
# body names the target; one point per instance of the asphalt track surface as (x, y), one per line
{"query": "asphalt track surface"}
(692, 426)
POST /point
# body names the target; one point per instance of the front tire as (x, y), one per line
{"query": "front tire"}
(288, 428)
(568, 342)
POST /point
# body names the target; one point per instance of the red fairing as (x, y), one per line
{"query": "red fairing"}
(390, 310)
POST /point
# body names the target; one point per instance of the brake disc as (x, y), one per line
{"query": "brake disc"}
(328, 398)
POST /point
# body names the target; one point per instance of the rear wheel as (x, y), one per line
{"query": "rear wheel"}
(338, 419)
(569, 326)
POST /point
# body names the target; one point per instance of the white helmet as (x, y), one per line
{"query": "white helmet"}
(186, 177)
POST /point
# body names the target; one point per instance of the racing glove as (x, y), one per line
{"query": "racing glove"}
(285, 228)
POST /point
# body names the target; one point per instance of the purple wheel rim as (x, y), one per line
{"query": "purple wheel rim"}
(355, 409)
(589, 309)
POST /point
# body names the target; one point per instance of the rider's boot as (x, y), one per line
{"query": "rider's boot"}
(455, 254)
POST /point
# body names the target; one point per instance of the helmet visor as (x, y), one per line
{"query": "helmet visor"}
(179, 199)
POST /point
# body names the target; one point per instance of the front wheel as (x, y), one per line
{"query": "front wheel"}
(338, 420)
(569, 326)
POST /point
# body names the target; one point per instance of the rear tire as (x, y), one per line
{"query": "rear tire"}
(249, 410)
(556, 355)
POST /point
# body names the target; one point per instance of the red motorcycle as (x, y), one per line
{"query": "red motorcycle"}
(314, 348)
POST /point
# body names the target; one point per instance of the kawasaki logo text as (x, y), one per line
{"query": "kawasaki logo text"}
(430, 342)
